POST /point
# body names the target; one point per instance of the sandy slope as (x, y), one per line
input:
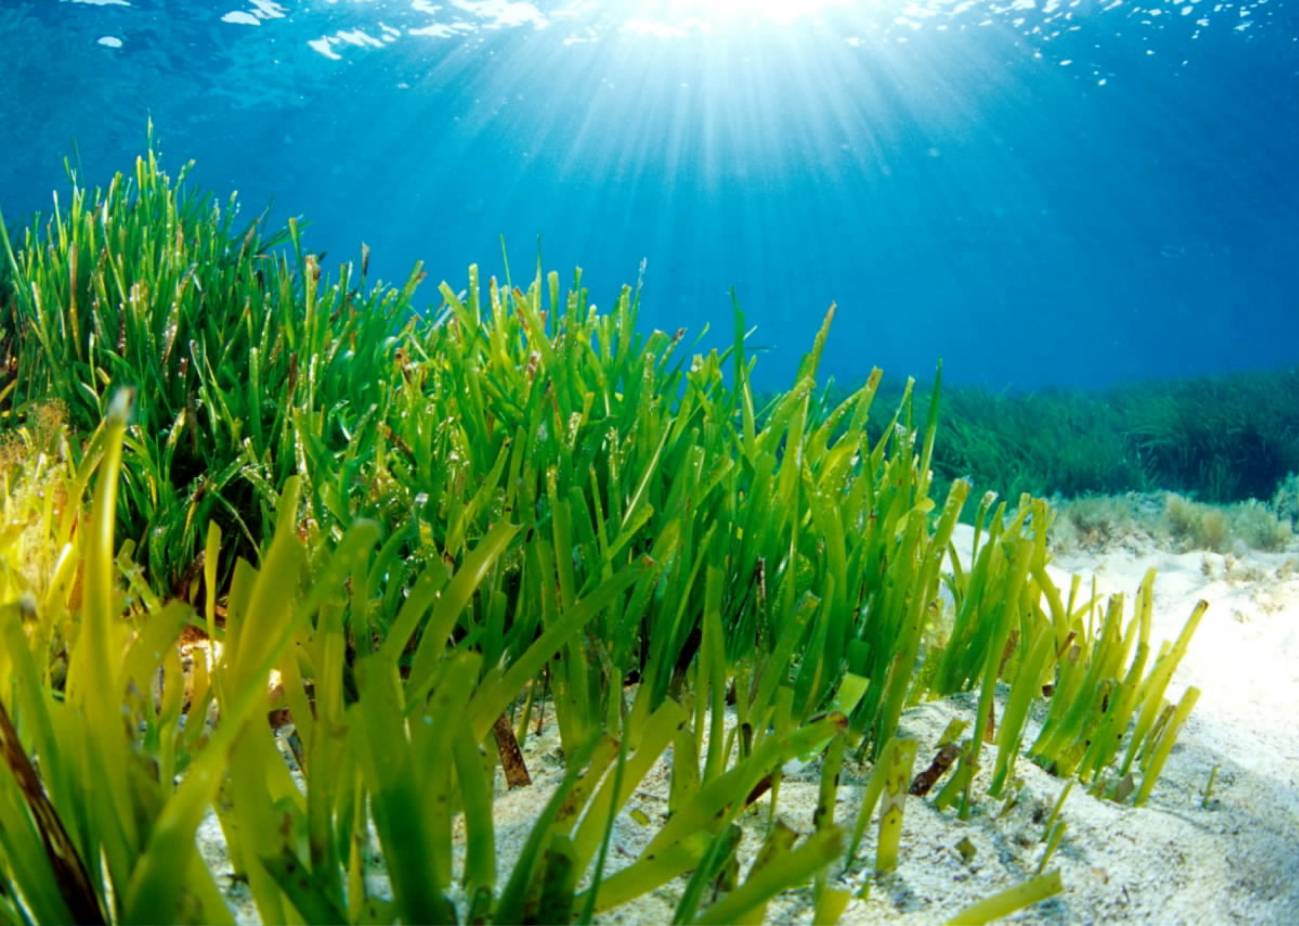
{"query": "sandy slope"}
(1173, 860)
(1237, 861)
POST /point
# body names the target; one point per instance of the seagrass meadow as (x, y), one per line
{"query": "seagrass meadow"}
(1227, 438)
(318, 555)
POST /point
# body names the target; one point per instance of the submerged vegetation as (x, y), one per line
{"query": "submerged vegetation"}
(225, 466)
(1169, 521)
(1220, 440)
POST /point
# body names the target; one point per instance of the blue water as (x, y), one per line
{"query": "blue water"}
(1042, 193)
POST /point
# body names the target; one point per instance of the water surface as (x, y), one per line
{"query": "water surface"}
(1040, 192)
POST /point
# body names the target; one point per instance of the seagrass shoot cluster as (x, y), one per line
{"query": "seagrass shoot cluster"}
(435, 526)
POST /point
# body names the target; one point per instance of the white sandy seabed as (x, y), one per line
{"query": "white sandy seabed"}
(1178, 859)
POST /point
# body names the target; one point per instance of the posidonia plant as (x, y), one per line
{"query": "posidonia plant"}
(432, 527)
(248, 367)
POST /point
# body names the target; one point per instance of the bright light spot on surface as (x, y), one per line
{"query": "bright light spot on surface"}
(441, 30)
(110, 41)
(774, 10)
(323, 46)
(261, 9)
(359, 38)
(677, 18)
(500, 14)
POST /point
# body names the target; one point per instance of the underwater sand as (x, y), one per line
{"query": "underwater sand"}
(1174, 860)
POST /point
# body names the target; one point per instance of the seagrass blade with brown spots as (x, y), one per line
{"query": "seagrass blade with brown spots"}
(69, 872)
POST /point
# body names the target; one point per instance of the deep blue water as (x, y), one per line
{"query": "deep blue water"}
(1040, 192)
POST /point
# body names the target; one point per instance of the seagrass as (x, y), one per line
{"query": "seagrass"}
(427, 521)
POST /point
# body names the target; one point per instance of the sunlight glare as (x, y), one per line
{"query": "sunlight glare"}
(706, 14)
